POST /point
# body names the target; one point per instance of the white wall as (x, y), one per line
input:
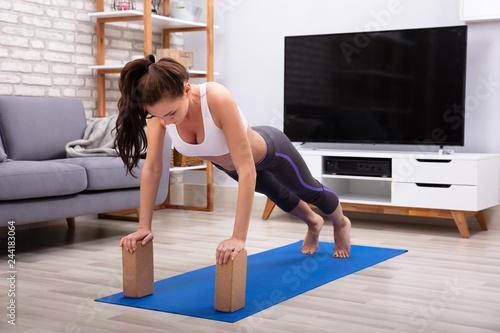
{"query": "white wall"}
(249, 54)
(483, 88)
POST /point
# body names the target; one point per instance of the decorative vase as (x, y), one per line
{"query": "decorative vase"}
(184, 10)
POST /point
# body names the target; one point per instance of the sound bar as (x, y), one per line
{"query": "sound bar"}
(357, 166)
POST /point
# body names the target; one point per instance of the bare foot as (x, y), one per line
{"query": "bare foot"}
(342, 238)
(311, 241)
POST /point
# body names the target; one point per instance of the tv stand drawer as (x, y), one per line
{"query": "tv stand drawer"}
(438, 171)
(440, 196)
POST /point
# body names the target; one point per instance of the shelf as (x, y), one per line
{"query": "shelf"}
(158, 21)
(365, 199)
(353, 177)
(196, 72)
(372, 190)
(106, 67)
(188, 168)
(193, 72)
(118, 13)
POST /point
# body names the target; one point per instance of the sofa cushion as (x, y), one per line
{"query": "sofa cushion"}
(105, 173)
(34, 179)
(38, 128)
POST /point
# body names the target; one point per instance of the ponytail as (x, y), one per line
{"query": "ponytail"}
(143, 82)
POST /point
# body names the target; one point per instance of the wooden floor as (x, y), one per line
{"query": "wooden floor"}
(443, 284)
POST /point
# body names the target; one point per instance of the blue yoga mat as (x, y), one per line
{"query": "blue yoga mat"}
(272, 277)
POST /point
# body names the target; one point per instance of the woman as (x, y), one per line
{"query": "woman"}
(204, 121)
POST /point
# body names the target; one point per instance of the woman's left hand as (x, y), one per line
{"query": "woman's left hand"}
(229, 248)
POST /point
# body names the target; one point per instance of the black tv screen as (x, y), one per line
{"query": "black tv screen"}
(384, 87)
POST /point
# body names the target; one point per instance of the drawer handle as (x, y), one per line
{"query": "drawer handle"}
(426, 160)
(433, 185)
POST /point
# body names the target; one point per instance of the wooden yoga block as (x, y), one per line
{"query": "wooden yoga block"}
(230, 283)
(138, 271)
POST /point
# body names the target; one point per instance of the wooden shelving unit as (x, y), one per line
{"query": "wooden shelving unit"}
(169, 25)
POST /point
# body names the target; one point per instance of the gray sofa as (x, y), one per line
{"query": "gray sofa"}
(39, 183)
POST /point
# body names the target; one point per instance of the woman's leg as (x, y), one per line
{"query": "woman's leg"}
(324, 200)
(341, 229)
(290, 203)
(341, 233)
(314, 225)
(291, 171)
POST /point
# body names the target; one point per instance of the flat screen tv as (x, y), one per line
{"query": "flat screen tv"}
(384, 87)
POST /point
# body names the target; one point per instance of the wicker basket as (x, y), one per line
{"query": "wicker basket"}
(182, 160)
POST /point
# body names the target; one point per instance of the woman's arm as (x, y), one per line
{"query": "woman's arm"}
(150, 180)
(225, 113)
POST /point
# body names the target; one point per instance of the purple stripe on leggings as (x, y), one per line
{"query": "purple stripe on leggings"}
(319, 189)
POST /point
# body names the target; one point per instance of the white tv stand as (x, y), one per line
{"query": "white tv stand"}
(421, 184)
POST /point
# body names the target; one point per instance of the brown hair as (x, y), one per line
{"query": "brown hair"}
(143, 82)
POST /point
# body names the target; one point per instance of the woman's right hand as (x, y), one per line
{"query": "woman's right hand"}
(129, 241)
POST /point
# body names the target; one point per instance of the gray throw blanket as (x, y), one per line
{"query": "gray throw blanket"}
(97, 140)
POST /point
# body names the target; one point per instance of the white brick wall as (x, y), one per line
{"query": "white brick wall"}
(46, 47)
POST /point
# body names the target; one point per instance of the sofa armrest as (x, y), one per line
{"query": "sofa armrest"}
(163, 189)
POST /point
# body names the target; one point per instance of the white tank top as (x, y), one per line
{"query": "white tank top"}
(214, 144)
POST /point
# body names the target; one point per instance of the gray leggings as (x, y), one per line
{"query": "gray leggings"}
(283, 176)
